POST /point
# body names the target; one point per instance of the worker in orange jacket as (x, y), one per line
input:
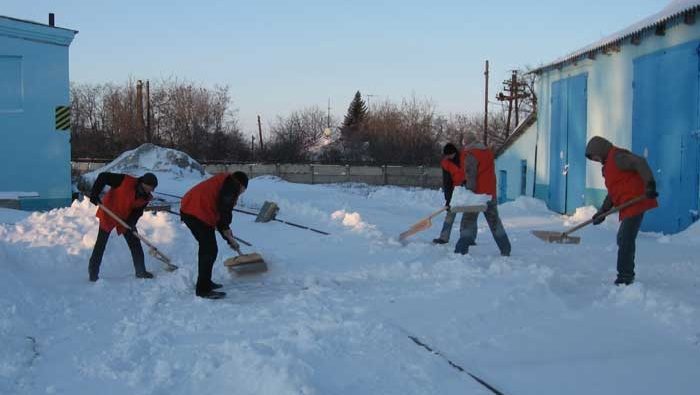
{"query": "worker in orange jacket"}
(479, 167)
(452, 178)
(627, 176)
(208, 207)
(127, 198)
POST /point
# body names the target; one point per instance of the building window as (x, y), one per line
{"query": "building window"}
(523, 177)
(10, 83)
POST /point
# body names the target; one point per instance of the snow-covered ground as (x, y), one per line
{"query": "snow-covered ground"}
(334, 313)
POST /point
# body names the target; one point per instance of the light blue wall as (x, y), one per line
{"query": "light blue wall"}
(610, 98)
(34, 156)
(510, 162)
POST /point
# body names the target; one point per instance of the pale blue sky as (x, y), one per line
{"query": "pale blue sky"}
(279, 56)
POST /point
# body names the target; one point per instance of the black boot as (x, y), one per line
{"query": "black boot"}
(439, 241)
(212, 295)
(623, 281)
(145, 274)
(215, 285)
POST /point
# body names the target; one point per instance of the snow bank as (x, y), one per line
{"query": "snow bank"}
(176, 171)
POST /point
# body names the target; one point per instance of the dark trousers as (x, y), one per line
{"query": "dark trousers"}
(468, 230)
(208, 250)
(626, 246)
(98, 251)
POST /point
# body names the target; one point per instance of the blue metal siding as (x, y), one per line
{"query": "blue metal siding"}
(34, 156)
(665, 125)
(557, 144)
(567, 169)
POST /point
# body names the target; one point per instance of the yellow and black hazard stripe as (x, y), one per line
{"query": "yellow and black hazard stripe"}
(62, 118)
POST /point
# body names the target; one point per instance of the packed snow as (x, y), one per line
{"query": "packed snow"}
(333, 314)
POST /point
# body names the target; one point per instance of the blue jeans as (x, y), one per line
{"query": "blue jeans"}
(468, 230)
(626, 246)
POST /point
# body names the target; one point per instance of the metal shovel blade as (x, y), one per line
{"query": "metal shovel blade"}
(556, 237)
(246, 264)
(154, 252)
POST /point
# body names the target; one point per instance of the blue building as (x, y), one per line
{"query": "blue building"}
(639, 88)
(34, 112)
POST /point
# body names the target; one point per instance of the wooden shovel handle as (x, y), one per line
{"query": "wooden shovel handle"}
(165, 259)
(605, 214)
(435, 214)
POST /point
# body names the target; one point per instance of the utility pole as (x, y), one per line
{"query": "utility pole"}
(260, 134)
(515, 92)
(139, 106)
(149, 135)
(252, 146)
(328, 117)
(486, 105)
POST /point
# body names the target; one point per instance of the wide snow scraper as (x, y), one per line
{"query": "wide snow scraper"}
(565, 236)
(426, 222)
(246, 263)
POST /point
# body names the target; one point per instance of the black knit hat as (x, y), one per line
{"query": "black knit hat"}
(242, 178)
(149, 179)
(449, 149)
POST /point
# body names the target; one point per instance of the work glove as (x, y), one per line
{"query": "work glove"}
(95, 199)
(598, 218)
(651, 190)
(234, 244)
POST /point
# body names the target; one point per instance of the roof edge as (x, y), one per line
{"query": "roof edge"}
(517, 133)
(608, 45)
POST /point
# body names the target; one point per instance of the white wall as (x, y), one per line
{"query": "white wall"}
(510, 161)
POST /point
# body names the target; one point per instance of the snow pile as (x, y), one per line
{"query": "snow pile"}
(174, 169)
(351, 220)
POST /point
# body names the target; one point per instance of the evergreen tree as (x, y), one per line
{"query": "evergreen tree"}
(352, 124)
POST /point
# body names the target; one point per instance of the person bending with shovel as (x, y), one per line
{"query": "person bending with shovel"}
(207, 207)
(126, 199)
(479, 166)
(627, 177)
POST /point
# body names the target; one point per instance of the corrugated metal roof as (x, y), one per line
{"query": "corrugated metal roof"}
(671, 15)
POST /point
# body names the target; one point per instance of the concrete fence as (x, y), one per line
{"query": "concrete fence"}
(418, 176)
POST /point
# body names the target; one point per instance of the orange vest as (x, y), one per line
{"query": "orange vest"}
(624, 186)
(486, 173)
(202, 200)
(456, 172)
(122, 201)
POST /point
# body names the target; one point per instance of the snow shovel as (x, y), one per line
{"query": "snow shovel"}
(152, 250)
(421, 225)
(246, 263)
(564, 238)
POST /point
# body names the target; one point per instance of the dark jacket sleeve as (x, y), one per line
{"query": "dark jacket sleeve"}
(111, 179)
(628, 161)
(471, 168)
(607, 205)
(134, 216)
(447, 187)
(226, 201)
